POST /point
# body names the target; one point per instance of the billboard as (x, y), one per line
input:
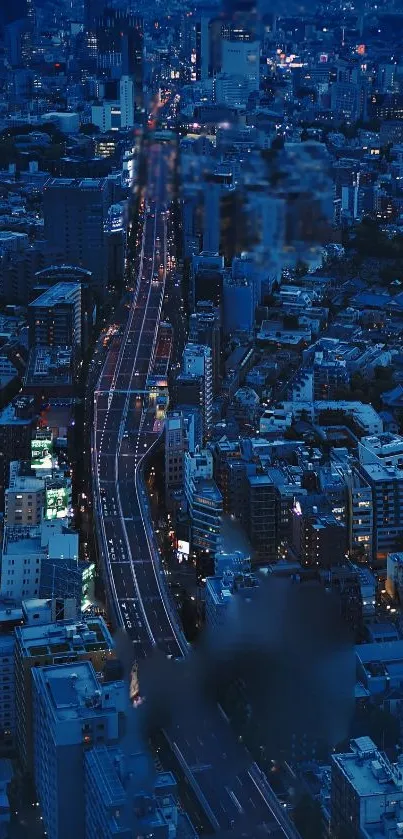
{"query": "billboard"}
(57, 503)
(41, 453)
(183, 550)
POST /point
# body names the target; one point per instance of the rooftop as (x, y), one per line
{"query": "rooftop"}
(367, 769)
(73, 692)
(379, 472)
(75, 183)
(64, 636)
(50, 366)
(22, 538)
(59, 293)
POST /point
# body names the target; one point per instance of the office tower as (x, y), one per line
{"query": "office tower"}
(53, 643)
(238, 305)
(120, 48)
(126, 101)
(242, 58)
(54, 318)
(240, 72)
(175, 444)
(92, 11)
(206, 280)
(75, 215)
(366, 792)
(261, 518)
(217, 186)
(204, 500)
(53, 274)
(72, 711)
(230, 472)
(197, 362)
(204, 328)
(202, 45)
(242, 18)
(16, 424)
(10, 12)
(17, 272)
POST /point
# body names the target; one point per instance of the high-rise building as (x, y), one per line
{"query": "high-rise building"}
(120, 48)
(217, 186)
(206, 279)
(197, 362)
(238, 305)
(72, 711)
(175, 444)
(53, 643)
(75, 215)
(204, 328)
(386, 483)
(242, 58)
(55, 317)
(261, 518)
(205, 503)
(126, 101)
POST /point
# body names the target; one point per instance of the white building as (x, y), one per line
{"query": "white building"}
(71, 711)
(21, 562)
(364, 415)
(366, 792)
(242, 58)
(384, 448)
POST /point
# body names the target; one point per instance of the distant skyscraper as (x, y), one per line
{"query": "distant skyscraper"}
(120, 48)
(75, 213)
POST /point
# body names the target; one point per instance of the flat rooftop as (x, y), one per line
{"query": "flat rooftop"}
(73, 693)
(50, 366)
(20, 539)
(75, 183)
(59, 293)
(64, 636)
(366, 768)
(25, 483)
(379, 472)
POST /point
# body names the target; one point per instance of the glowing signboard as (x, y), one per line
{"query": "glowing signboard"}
(41, 453)
(57, 503)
